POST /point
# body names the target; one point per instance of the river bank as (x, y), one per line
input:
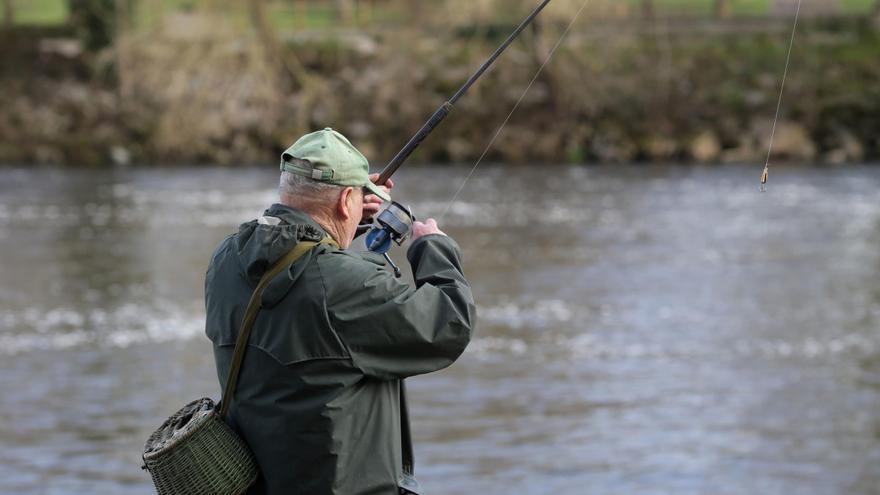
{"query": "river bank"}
(191, 91)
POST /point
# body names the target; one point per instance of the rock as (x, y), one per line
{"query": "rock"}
(792, 142)
(362, 44)
(835, 157)
(120, 155)
(854, 148)
(746, 151)
(64, 47)
(848, 150)
(660, 147)
(706, 147)
(741, 154)
(460, 150)
(613, 147)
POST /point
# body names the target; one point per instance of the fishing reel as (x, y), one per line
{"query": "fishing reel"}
(394, 224)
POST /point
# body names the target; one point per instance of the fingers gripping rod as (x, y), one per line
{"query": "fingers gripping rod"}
(446, 107)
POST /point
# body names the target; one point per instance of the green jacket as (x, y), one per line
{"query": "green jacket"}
(318, 396)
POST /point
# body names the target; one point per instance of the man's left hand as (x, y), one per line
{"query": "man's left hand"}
(372, 203)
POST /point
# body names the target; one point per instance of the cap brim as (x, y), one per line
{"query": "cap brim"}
(373, 188)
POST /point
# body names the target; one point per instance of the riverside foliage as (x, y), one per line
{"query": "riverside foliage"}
(196, 88)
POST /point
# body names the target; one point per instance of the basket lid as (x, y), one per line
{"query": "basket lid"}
(188, 418)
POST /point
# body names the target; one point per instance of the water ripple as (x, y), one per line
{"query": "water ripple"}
(64, 327)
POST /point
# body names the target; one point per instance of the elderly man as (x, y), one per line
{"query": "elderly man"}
(319, 395)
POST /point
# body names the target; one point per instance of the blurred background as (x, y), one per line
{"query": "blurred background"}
(91, 82)
(649, 322)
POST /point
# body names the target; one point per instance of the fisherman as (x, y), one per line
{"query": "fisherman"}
(318, 398)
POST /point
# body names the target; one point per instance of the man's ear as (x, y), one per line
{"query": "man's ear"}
(343, 203)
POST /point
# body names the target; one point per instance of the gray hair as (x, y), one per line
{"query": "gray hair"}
(307, 190)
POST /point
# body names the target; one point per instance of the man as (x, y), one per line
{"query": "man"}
(318, 398)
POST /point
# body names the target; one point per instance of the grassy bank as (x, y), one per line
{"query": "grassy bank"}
(215, 95)
(288, 14)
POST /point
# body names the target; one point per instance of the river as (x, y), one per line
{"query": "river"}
(642, 330)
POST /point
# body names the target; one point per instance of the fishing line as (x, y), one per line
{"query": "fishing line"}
(765, 174)
(512, 111)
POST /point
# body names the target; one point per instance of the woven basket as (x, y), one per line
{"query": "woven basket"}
(194, 452)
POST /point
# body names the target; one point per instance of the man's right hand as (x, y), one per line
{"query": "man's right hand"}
(420, 229)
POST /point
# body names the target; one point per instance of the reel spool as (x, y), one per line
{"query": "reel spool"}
(394, 224)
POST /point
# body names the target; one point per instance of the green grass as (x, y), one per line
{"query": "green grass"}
(741, 7)
(287, 15)
(750, 7)
(39, 12)
(857, 6)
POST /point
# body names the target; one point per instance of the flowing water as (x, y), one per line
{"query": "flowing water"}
(641, 330)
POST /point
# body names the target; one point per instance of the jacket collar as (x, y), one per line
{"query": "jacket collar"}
(292, 216)
(262, 242)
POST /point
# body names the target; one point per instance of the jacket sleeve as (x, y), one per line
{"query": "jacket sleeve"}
(393, 330)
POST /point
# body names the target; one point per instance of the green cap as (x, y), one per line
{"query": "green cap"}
(327, 156)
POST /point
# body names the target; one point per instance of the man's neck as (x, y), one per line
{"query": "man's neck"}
(329, 226)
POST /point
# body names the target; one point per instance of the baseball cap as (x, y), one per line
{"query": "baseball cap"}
(328, 156)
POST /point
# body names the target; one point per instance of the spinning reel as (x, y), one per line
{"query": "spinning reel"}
(394, 224)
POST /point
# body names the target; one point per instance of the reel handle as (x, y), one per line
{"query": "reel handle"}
(396, 269)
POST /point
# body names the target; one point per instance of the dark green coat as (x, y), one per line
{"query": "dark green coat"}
(318, 396)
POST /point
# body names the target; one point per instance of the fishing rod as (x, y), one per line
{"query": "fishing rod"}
(395, 222)
(446, 107)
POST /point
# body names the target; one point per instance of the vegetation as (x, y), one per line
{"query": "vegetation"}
(288, 14)
(235, 86)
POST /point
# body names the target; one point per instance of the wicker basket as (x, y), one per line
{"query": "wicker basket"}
(194, 452)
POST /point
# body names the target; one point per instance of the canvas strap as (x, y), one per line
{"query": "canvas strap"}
(250, 316)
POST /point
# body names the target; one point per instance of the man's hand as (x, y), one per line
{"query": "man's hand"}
(372, 203)
(429, 227)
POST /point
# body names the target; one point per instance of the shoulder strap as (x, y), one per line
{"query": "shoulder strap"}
(250, 316)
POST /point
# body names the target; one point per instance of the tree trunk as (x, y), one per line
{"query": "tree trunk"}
(345, 10)
(257, 11)
(648, 9)
(94, 21)
(722, 9)
(8, 13)
(416, 12)
(288, 66)
(123, 17)
(121, 25)
(157, 8)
